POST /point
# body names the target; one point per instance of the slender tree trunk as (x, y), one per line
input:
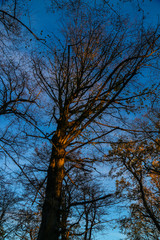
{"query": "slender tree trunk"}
(49, 229)
(64, 218)
(92, 223)
(86, 227)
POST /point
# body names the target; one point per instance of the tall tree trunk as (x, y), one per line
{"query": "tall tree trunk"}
(49, 229)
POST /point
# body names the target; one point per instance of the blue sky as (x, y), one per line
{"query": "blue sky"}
(40, 18)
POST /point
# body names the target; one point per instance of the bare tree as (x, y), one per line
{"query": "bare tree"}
(84, 205)
(86, 82)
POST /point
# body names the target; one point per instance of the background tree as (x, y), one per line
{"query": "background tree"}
(138, 180)
(85, 204)
(8, 202)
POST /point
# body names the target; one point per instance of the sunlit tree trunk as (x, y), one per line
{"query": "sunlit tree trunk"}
(49, 229)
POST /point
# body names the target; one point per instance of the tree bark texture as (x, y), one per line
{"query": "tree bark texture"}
(49, 229)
